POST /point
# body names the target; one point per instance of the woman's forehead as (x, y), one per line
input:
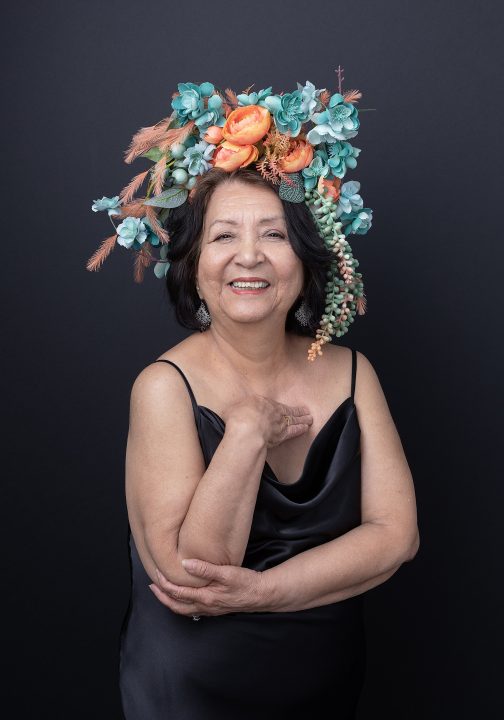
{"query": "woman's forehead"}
(243, 207)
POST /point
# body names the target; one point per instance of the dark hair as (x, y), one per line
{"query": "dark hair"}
(185, 224)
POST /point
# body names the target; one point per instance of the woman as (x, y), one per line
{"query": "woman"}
(285, 479)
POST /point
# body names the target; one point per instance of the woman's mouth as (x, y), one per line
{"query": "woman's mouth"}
(249, 288)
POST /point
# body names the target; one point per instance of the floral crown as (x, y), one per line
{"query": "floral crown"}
(210, 128)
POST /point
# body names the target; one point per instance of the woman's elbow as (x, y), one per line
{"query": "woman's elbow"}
(403, 543)
(165, 555)
(412, 546)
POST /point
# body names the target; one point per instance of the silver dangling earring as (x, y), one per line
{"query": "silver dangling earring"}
(203, 316)
(303, 314)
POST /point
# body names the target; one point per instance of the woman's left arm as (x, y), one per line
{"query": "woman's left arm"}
(388, 536)
(349, 565)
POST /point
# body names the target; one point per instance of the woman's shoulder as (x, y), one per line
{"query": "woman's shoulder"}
(336, 364)
(334, 358)
(161, 376)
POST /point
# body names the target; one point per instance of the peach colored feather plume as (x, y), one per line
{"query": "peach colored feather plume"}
(361, 305)
(230, 102)
(225, 104)
(176, 135)
(151, 213)
(158, 175)
(324, 97)
(231, 96)
(146, 138)
(352, 96)
(135, 208)
(128, 192)
(142, 260)
(100, 254)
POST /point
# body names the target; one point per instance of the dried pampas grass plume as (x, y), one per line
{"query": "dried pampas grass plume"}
(101, 253)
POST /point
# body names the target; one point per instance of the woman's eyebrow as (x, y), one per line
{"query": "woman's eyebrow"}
(261, 221)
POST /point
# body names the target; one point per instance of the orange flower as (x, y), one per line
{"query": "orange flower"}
(230, 157)
(331, 187)
(246, 125)
(299, 156)
(213, 135)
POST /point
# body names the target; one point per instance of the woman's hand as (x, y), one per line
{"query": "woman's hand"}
(231, 589)
(275, 421)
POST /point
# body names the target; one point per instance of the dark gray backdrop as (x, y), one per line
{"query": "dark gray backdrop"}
(79, 79)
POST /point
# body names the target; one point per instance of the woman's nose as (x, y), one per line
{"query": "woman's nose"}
(249, 250)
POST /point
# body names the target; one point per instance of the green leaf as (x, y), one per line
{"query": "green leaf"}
(163, 215)
(160, 270)
(153, 154)
(173, 197)
(293, 193)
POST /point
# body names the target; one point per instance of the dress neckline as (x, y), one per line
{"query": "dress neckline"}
(311, 449)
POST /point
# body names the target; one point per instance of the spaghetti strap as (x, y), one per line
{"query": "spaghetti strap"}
(354, 371)
(189, 388)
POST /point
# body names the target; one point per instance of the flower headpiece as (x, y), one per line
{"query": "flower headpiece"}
(210, 128)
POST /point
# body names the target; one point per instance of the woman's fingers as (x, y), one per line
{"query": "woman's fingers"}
(298, 415)
(182, 593)
(178, 606)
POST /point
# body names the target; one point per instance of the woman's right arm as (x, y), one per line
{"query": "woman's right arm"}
(176, 509)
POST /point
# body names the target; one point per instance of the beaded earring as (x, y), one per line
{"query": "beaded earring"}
(203, 316)
(303, 314)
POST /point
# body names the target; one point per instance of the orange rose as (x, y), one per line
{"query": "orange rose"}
(331, 187)
(230, 157)
(213, 135)
(246, 125)
(299, 156)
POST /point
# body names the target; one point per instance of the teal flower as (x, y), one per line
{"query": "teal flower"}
(254, 98)
(342, 156)
(196, 158)
(349, 199)
(338, 121)
(151, 238)
(189, 104)
(357, 222)
(289, 111)
(317, 168)
(131, 233)
(110, 204)
(161, 268)
(213, 115)
(309, 98)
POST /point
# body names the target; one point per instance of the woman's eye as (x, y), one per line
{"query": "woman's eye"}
(273, 232)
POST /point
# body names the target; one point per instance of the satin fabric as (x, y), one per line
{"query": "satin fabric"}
(263, 665)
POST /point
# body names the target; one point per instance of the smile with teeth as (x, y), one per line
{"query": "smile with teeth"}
(255, 285)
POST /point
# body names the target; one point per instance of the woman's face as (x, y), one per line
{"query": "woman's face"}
(245, 236)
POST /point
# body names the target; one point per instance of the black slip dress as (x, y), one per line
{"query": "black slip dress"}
(306, 664)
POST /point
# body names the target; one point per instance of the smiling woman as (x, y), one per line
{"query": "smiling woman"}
(283, 479)
(294, 225)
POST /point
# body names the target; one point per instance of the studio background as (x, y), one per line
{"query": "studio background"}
(80, 78)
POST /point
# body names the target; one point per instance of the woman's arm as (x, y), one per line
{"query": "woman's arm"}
(388, 535)
(217, 524)
(237, 589)
(176, 509)
(349, 565)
